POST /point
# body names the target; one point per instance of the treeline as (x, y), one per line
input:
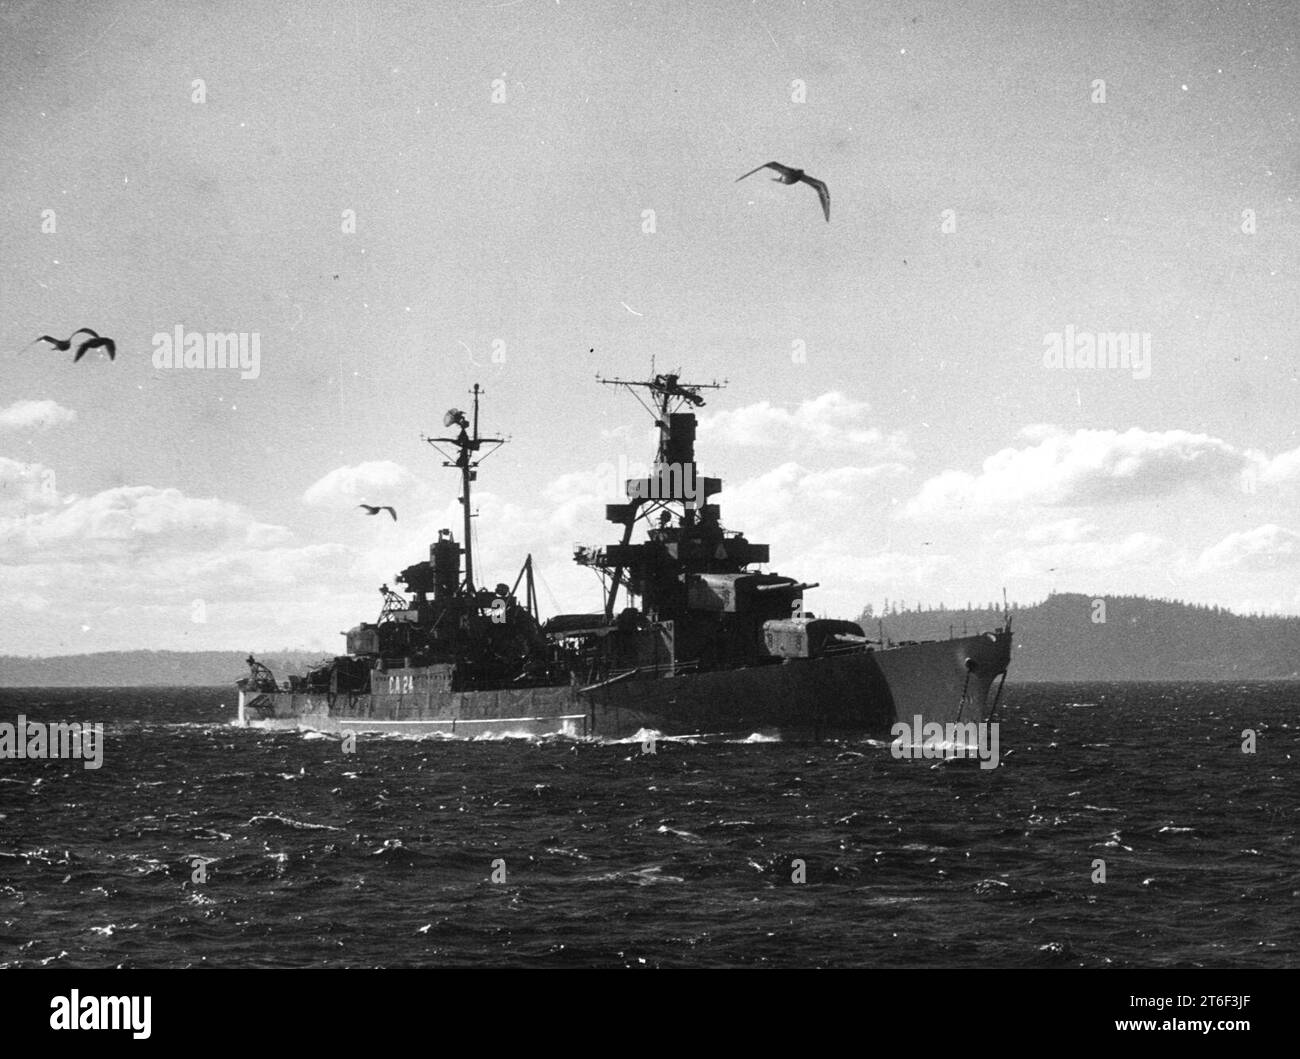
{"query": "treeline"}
(142, 668)
(1070, 636)
(898, 606)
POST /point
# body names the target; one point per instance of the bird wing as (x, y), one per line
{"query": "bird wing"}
(823, 193)
(106, 344)
(369, 510)
(766, 165)
(83, 331)
(390, 511)
(57, 343)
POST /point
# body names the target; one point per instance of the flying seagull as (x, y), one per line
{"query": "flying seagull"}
(372, 510)
(786, 175)
(107, 344)
(95, 341)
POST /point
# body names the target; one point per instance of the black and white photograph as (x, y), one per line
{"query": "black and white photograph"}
(650, 485)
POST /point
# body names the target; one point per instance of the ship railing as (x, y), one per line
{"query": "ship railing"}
(543, 676)
(849, 648)
(671, 668)
(854, 643)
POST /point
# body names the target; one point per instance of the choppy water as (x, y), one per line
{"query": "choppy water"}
(681, 858)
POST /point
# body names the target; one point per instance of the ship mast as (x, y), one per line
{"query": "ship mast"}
(667, 393)
(466, 444)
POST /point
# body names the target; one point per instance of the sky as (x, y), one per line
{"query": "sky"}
(394, 201)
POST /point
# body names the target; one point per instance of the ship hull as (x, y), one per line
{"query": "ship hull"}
(855, 693)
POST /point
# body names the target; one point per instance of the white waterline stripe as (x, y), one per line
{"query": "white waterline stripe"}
(478, 720)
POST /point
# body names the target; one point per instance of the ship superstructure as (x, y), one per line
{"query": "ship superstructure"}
(690, 638)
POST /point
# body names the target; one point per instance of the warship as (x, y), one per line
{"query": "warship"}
(703, 643)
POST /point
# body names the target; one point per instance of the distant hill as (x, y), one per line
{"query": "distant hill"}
(140, 668)
(1063, 638)
(1058, 639)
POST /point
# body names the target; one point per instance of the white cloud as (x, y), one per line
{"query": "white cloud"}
(830, 422)
(35, 415)
(133, 520)
(790, 501)
(375, 482)
(1264, 548)
(1088, 466)
(25, 488)
(1284, 467)
(136, 559)
(139, 556)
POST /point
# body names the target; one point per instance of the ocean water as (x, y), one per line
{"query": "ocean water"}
(312, 857)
